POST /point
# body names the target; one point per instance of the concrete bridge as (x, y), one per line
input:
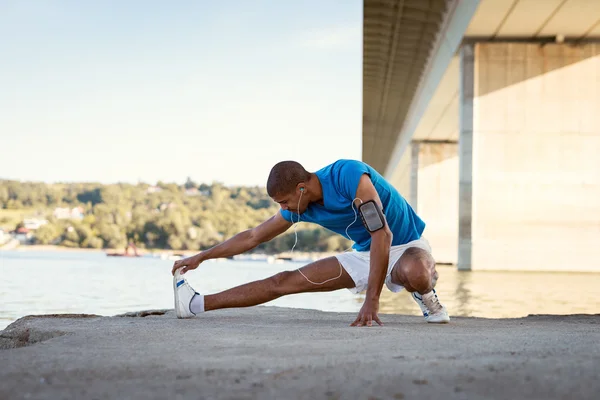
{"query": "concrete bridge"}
(486, 116)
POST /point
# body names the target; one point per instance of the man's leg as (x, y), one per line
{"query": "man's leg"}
(415, 270)
(281, 284)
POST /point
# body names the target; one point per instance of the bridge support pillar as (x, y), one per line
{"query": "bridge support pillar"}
(465, 156)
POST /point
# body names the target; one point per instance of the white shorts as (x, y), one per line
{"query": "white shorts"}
(357, 264)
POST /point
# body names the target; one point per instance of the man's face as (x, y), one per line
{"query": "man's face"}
(290, 202)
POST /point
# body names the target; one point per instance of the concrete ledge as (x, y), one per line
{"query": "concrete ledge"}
(268, 352)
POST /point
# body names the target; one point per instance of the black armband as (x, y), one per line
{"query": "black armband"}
(371, 215)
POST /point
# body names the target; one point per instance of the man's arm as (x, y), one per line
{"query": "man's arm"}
(240, 243)
(381, 240)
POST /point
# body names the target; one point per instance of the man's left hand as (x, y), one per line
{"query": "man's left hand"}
(368, 314)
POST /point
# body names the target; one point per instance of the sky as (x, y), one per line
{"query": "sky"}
(128, 91)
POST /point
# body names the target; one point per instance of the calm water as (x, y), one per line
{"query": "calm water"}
(34, 282)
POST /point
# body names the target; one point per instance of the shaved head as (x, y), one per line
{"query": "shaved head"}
(285, 176)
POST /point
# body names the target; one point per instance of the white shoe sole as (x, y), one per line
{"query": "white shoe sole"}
(441, 321)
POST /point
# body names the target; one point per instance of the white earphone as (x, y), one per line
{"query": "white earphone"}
(296, 239)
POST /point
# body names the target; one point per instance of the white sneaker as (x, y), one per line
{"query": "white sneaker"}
(433, 311)
(183, 296)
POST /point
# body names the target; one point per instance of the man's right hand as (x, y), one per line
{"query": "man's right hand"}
(187, 264)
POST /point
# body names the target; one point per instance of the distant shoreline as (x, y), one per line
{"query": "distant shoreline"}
(297, 255)
(41, 247)
(54, 248)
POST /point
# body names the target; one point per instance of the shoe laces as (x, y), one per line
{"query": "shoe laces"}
(432, 303)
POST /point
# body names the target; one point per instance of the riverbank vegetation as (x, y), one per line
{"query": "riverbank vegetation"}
(162, 216)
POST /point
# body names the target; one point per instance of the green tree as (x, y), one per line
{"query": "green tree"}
(336, 244)
(93, 196)
(13, 204)
(175, 242)
(4, 196)
(112, 236)
(72, 236)
(47, 234)
(190, 184)
(93, 242)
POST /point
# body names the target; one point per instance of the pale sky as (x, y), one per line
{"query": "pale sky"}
(124, 91)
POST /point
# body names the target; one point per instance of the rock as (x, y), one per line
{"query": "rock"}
(270, 352)
(142, 313)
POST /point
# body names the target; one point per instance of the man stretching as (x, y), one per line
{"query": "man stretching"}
(347, 197)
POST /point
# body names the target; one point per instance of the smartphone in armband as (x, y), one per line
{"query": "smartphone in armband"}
(371, 215)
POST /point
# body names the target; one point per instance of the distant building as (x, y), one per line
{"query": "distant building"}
(34, 223)
(193, 192)
(68, 213)
(24, 235)
(153, 189)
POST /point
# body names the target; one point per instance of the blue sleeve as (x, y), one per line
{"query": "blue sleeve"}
(349, 176)
(286, 215)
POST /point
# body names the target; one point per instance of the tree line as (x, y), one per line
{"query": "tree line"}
(162, 216)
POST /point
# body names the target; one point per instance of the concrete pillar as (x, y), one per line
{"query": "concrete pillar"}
(438, 195)
(536, 169)
(465, 156)
(414, 175)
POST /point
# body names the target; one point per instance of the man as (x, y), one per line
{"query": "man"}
(388, 245)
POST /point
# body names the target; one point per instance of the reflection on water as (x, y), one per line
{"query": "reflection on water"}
(494, 294)
(57, 282)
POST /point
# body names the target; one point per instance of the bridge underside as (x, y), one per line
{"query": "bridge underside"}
(398, 38)
(492, 133)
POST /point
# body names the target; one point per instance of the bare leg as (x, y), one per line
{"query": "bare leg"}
(281, 284)
(415, 270)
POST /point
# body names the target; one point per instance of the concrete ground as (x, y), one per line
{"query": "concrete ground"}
(279, 353)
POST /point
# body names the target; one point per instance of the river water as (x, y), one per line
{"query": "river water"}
(39, 282)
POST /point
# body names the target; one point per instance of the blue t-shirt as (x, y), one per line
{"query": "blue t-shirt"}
(340, 182)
